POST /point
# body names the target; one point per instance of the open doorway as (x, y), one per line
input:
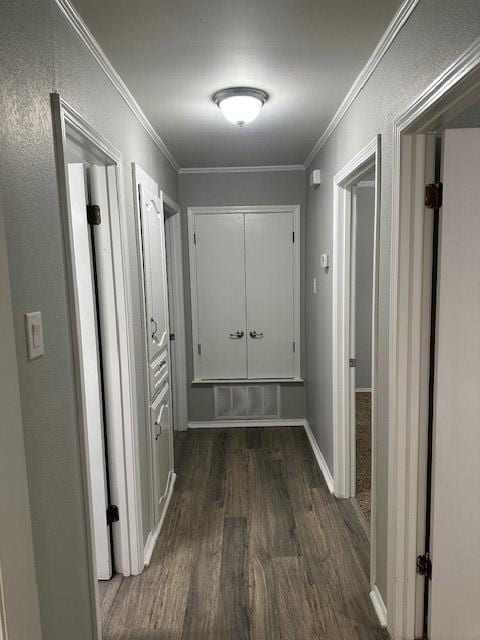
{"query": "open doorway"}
(361, 286)
(355, 285)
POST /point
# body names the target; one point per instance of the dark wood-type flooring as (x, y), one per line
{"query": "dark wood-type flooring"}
(254, 547)
(364, 452)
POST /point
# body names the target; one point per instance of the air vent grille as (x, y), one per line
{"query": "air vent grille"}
(247, 401)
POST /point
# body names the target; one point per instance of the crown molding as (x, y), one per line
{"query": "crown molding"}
(86, 36)
(251, 169)
(399, 19)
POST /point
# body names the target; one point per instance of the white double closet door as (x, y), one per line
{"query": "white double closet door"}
(245, 295)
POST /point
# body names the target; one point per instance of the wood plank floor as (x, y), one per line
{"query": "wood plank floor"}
(254, 547)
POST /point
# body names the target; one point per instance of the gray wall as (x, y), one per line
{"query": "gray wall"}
(39, 52)
(435, 35)
(364, 286)
(248, 188)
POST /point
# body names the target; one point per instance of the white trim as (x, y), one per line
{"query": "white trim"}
(153, 535)
(196, 381)
(319, 457)
(124, 467)
(359, 390)
(176, 289)
(86, 36)
(366, 183)
(404, 353)
(247, 169)
(379, 606)
(341, 311)
(393, 29)
(3, 610)
(295, 209)
(228, 424)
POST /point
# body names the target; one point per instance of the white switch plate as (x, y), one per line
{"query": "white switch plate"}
(33, 323)
(314, 285)
(324, 260)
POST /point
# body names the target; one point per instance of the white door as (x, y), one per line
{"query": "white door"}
(161, 442)
(220, 271)
(153, 241)
(269, 257)
(90, 366)
(455, 586)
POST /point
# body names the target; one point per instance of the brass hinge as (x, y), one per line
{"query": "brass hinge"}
(199, 346)
(352, 362)
(293, 236)
(294, 347)
(93, 214)
(113, 514)
(434, 195)
(194, 238)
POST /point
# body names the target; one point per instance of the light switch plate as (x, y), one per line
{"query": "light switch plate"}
(314, 285)
(324, 260)
(33, 324)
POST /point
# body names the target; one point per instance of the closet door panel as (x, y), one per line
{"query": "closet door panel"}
(220, 272)
(269, 262)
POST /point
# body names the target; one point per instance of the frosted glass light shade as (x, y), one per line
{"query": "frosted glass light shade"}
(240, 106)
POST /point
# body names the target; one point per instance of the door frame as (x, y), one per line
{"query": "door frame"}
(343, 418)
(123, 464)
(408, 337)
(266, 209)
(173, 229)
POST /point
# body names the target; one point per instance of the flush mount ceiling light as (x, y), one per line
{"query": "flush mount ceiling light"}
(240, 105)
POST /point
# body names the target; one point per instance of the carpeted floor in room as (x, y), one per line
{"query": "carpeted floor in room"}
(364, 451)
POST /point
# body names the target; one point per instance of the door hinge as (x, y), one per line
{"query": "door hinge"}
(194, 238)
(424, 566)
(294, 347)
(199, 346)
(172, 336)
(93, 214)
(293, 236)
(113, 514)
(352, 362)
(434, 195)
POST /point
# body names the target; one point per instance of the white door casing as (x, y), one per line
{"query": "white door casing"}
(219, 245)
(90, 367)
(269, 260)
(455, 585)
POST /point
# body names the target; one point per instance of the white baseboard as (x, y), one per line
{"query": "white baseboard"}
(153, 535)
(379, 605)
(227, 424)
(369, 390)
(322, 463)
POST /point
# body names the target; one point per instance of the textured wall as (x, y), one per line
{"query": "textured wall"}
(249, 188)
(435, 35)
(39, 52)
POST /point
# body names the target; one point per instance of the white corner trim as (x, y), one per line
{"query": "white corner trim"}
(228, 424)
(86, 36)
(251, 169)
(379, 606)
(320, 458)
(363, 390)
(153, 535)
(381, 49)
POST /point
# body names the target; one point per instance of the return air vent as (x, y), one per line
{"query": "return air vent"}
(249, 401)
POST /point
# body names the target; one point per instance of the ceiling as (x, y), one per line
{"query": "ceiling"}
(174, 55)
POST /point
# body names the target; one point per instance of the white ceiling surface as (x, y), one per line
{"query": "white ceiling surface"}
(174, 55)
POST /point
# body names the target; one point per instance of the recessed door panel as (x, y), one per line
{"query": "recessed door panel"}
(269, 261)
(220, 273)
(154, 265)
(455, 585)
(161, 436)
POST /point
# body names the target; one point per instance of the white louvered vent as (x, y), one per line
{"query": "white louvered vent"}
(247, 401)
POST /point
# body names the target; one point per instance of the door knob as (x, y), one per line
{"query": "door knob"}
(256, 334)
(237, 335)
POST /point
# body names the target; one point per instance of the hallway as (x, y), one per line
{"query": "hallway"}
(253, 546)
